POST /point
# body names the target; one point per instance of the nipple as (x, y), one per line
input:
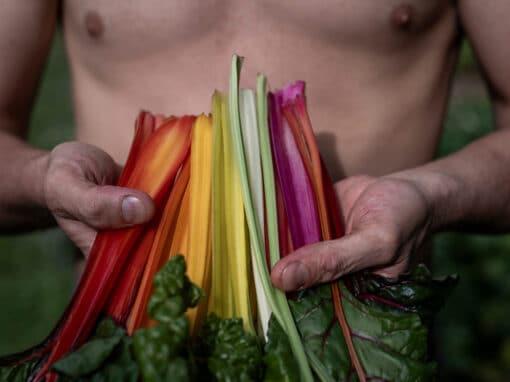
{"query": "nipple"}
(402, 16)
(94, 24)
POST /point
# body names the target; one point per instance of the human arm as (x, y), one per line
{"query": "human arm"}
(388, 218)
(70, 184)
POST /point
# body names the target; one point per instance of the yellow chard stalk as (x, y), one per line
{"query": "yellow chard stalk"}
(231, 257)
(198, 256)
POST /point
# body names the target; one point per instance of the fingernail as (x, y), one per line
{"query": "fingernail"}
(132, 210)
(294, 276)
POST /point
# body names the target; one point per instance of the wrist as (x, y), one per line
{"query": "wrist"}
(33, 178)
(441, 192)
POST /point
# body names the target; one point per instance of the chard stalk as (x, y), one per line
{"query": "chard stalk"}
(276, 298)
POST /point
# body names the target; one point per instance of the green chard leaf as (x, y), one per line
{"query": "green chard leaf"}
(417, 292)
(106, 357)
(173, 292)
(234, 354)
(158, 353)
(161, 351)
(281, 366)
(20, 372)
(388, 322)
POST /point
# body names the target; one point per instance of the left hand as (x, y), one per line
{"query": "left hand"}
(386, 221)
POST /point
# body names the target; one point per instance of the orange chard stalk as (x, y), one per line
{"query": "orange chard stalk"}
(144, 127)
(159, 249)
(154, 171)
(180, 239)
(178, 243)
(120, 304)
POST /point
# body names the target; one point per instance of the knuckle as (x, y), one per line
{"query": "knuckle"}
(62, 213)
(386, 244)
(93, 210)
(52, 197)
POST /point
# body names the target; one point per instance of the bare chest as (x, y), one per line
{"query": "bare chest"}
(129, 29)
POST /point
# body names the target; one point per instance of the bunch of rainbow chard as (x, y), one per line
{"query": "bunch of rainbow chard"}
(234, 191)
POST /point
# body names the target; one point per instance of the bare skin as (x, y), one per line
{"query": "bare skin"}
(378, 81)
(370, 74)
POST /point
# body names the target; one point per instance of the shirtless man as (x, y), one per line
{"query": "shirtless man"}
(378, 77)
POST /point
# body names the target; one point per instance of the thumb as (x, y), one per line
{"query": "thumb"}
(105, 207)
(326, 261)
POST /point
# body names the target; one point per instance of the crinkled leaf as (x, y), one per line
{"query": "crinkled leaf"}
(19, 372)
(390, 338)
(417, 292)
(161, 350)
(173, 292)
(106, 357)
(234, 354)
(88, 358)
(279, 359)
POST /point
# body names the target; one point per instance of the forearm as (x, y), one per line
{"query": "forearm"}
(469, 190)
(22, 170)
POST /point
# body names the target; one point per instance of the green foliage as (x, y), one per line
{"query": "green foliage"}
(389, 334)
(466, 122)
(106, 357)
(17, 373)
(281, 366)
(385, 319)
(473, 332)
(35, 284)
(418, 293)
(467, 59)
(234, 355)
(161, 351)
(173, 292)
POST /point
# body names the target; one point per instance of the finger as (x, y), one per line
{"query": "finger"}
(80, 234)
(393, 271)
(104, 207)
(327, 261)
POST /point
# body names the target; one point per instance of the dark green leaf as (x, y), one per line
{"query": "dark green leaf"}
(88, 358)
(106, 357)
(173, 291)
(161, 350)
(19, 372)
(235, 354)
(279, 359)
(387, 326)
(417, 292)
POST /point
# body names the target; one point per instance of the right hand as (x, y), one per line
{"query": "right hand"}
(78, 190)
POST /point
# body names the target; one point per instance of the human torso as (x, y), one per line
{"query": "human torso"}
(377, 72)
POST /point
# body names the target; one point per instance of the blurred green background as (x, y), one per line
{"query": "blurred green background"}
(472, 334)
